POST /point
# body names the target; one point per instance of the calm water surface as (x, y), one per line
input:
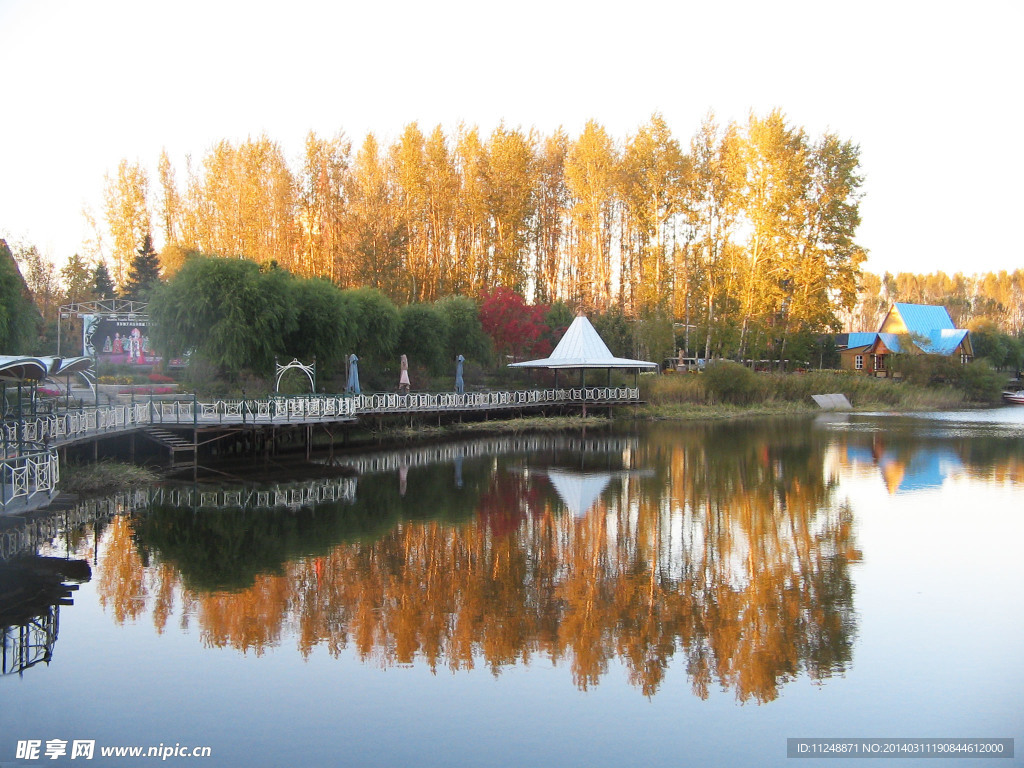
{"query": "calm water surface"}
(674, 595)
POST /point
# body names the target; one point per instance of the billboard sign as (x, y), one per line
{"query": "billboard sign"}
(118, 338)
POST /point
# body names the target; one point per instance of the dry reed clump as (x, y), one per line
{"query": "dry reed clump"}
(104, 476)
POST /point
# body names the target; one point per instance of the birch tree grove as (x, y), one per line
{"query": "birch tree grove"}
(742, 234)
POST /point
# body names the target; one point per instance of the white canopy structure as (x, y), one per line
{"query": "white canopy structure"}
(582, 347)
(20, 369)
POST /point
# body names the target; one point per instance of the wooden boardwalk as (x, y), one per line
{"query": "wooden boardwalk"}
(30, 467)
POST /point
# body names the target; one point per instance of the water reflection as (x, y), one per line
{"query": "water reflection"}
(921, 453)
(32, 590)
(721, 547)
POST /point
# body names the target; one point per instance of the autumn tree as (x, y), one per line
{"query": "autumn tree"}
(514, 327)
(442, 188)
(376, 229)
(243, 203)
(126, 204)
(169, 204)
(591, 173)
(745, 238)
(471, 214)
(712, 215)
(827, 260)
(777, 177)
(409, 170)
(653, 179)
(551, 210)
(509, 193)
(322, 206)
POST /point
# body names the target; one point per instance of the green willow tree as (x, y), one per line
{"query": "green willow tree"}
(227, 312)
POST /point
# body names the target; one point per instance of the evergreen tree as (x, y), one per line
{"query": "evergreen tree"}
(103, 285)
(144, 272)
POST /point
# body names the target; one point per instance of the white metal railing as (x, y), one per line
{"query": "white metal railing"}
(267, 410)
(96, 420)
(389, 402)
(35, 470)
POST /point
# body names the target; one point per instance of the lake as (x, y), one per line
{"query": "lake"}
(659, 595)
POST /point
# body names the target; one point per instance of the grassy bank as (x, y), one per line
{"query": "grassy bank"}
(734, 390)
(104, 477)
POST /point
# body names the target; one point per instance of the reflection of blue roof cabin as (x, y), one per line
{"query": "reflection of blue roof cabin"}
(921, 328)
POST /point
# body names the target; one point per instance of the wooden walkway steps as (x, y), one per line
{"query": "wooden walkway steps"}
(174, 443)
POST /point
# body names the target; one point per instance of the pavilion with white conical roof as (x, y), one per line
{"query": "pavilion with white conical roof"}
(582, 348)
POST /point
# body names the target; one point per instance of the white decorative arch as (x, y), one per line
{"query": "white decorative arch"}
(309, 370)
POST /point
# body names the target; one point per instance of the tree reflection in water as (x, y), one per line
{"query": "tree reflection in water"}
(720, 545)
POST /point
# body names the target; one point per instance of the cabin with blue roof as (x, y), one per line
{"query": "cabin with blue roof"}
(914, 329)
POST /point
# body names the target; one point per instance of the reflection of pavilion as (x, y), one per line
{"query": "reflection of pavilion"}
(580, 490)
(31, 593)
(906, 471)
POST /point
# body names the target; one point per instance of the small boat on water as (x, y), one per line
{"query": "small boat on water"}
(1014, 397)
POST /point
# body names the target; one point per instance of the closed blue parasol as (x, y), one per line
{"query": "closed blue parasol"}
(353, 375)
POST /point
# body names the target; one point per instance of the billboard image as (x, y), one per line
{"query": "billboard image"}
(118, 339)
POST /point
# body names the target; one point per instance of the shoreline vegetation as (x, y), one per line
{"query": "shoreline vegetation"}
(727, 388)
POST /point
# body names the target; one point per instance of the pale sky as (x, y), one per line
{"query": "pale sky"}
(931, 91)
